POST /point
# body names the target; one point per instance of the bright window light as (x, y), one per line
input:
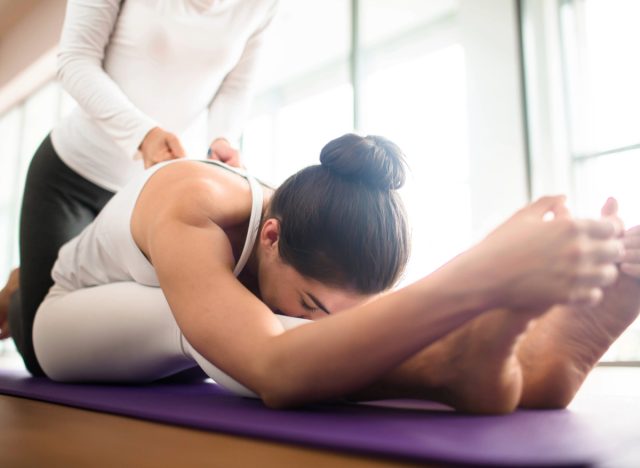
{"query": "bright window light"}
(601, 38)
(9, 148)
(291, 138)
(420, 104)
(600, 48)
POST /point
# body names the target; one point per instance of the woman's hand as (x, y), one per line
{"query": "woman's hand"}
(159, 145)
(221, 150)
(535, 262)
(630, 263)
(631, 259)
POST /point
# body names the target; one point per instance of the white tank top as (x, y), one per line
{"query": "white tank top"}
(105, 251)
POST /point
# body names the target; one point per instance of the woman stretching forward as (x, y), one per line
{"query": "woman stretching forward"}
(189, 262)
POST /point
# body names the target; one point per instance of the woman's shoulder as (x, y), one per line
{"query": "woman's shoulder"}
(191, 189)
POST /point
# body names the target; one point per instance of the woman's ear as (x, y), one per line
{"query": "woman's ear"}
(270, 235)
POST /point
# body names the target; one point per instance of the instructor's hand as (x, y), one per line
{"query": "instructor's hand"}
(221, 150)
(159, 145)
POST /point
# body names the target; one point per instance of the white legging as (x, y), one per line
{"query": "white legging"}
(119, 332)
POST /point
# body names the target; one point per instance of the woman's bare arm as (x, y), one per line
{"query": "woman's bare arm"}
(233, 329)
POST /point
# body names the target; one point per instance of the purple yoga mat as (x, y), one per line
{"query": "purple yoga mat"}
(401, 429)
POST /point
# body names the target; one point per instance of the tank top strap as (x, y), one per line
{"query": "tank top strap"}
(257, 197)
(254, 223)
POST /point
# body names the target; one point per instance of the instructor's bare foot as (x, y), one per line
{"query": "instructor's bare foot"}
(562, 347)
(5, 295)
(475, 368)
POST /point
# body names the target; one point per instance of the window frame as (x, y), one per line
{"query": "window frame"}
(555, 162)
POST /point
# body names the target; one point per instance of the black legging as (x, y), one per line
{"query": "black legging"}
(57, 204)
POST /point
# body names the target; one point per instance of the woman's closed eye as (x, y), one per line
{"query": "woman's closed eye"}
(308, 307)
(313, 311)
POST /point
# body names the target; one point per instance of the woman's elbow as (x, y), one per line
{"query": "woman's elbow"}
(276, 401)
(70, 64)
(63, 61)
(279, 388)
(277, 391)
(295, 395)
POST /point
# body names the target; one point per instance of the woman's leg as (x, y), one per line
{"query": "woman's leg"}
(504, 359)
(57, 204)
(473, 369)
(119, 332)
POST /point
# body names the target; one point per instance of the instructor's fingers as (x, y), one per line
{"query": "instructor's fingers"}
(175, 146)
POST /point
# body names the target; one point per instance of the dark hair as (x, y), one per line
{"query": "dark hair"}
(342, 222)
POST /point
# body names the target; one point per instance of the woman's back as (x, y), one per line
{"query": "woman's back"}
(109, 249)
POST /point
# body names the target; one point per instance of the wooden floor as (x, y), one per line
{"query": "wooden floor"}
(37, 434)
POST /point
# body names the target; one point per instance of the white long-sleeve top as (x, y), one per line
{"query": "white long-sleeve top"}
(137, 64)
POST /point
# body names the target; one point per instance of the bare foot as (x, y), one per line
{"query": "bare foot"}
(562, 347)
(473, 369)
(5, 295)
(558, 352)
(476, 366)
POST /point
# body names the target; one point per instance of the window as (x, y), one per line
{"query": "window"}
(420, 104)
(401, 75)
(22, 128)
(600, 46)
(414, 92)
(10, 125)
(588, 47)
(305, 97)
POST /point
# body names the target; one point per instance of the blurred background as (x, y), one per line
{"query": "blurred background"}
(494, 102)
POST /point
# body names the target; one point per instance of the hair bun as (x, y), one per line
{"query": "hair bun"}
(372, 160)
